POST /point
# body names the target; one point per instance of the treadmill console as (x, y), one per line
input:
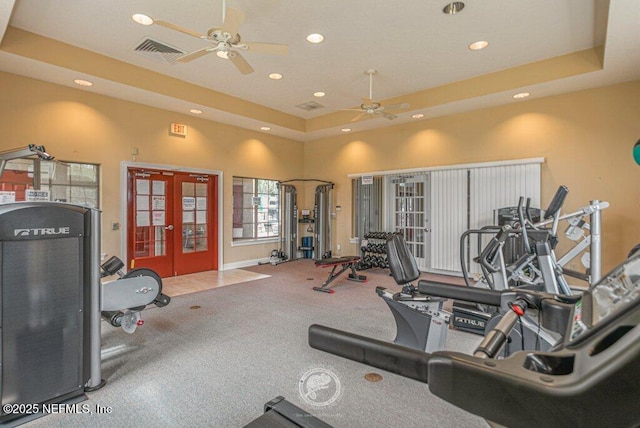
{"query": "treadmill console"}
(591, 380)
(607, 299)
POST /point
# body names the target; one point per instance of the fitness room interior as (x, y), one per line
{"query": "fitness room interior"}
(278, 213)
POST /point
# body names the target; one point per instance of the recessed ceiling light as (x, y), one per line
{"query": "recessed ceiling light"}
(142, 19)
(453, 8)
(521, 95)
(319, 94)
(265, 128)
(346, 129)
(222, 54)
(83, 82)
(195, 111)
(275, 76)
(315, 38)
(480, 44)
(417, 116)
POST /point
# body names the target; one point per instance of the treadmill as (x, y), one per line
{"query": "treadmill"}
(590, 379)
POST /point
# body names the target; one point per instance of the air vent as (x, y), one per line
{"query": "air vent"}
(310, 106)
(158, 50)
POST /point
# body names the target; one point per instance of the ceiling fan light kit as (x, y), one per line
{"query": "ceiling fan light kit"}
(372, 108)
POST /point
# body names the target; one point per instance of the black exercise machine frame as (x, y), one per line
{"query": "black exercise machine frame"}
(589, 380)
(347, 262)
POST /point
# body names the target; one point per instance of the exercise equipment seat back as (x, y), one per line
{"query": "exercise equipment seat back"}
(402, 264)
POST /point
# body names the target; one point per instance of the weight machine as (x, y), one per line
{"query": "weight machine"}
(51, 300)
(30, 151)
(289, 222)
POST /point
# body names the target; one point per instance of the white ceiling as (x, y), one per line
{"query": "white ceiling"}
(412, 43)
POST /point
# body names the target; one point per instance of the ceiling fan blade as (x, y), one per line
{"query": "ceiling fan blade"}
(396, 106)
(358, 117)
(241, 64)
(179, 28)
(388, 115)
(195, 54)
(233, 19)
(367, 101)
(269, 48)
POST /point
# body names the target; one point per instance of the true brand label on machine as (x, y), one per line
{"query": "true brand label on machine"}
(42, 231)
(41, 220)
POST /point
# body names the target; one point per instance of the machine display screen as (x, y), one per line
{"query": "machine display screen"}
(612, 294)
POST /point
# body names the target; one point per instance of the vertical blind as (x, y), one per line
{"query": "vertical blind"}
(467, 199)
(449, 218)
(367, 206)
(458, 200)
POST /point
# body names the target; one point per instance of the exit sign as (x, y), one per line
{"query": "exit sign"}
(178, 129)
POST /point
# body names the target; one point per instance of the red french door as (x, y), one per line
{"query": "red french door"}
(172, 221)
(17, 182)
(195, 236)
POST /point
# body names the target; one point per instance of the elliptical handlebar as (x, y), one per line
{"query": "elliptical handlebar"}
(556, 203)
(488, 256)
(523, 224)
(527, 211)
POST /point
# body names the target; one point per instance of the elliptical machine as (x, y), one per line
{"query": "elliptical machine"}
(422, 322)
(537, 268)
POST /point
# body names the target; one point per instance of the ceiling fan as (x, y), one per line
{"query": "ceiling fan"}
(226, 41)
(369, 107)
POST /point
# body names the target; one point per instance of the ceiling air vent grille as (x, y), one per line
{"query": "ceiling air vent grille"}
(158, 50)
(310, 106)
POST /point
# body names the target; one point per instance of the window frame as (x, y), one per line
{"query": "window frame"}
(239, 210)
(35, 170)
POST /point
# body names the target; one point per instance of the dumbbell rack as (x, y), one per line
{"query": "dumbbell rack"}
(374, 252)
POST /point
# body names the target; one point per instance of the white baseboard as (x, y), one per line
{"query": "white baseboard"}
(245, 263)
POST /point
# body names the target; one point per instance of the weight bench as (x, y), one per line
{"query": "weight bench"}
(347, 262)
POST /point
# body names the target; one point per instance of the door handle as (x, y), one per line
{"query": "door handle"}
(170, 227)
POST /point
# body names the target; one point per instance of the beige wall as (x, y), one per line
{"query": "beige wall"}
(80, 126)
(585, 137)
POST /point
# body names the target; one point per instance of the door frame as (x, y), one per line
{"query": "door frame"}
(125, 165)
(424, 265)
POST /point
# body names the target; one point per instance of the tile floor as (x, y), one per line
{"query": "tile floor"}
(201, 281)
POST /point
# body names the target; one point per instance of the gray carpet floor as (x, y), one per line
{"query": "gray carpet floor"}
(214, 358)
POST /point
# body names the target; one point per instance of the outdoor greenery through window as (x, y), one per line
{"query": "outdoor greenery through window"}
(256, 209)
(71, 182)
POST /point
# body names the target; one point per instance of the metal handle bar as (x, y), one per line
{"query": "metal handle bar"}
(496, 338)
(586, 210)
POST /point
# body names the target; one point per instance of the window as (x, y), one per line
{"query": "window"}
(75, 183)
(256, 209)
